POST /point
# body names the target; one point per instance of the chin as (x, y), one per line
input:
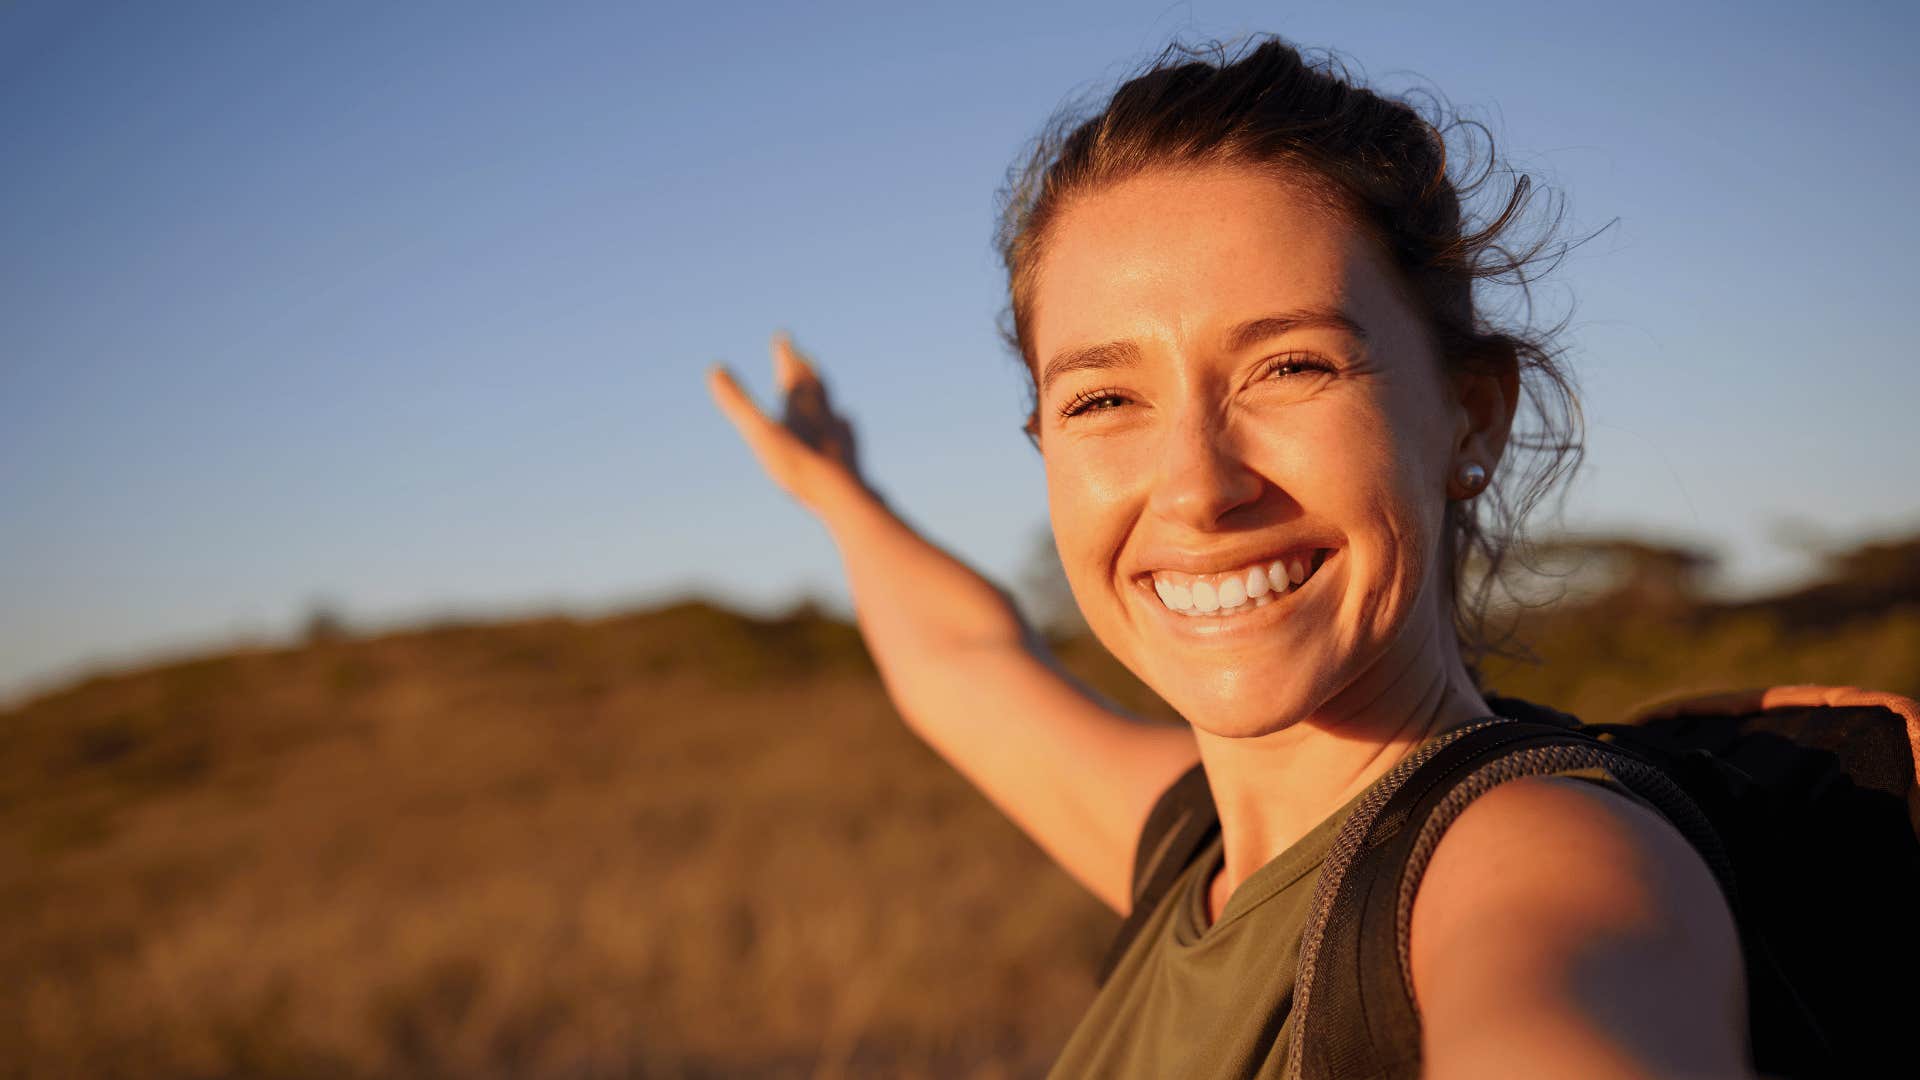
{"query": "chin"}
(1240, 725)
(1236, 703)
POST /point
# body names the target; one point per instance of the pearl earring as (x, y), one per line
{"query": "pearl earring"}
(1472, 477)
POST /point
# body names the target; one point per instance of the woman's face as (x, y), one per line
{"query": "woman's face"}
(1231, 380)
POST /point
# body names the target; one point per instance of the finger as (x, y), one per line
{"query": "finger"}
(788, 368)
(762, 435)
(806, 411)
(792, 369)
(732, 399)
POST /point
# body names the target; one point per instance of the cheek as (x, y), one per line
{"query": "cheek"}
(1363, 476)
(1412, 501)
(1083, 503)
(1346, 467)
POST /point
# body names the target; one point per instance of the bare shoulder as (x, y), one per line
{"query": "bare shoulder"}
(1563, 925)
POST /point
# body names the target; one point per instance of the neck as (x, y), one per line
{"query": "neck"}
(1271, 790)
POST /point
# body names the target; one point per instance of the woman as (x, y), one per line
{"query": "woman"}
(1272, 419)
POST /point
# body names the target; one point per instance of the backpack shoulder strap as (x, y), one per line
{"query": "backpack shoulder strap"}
(1179, 825)
(1354, 1011)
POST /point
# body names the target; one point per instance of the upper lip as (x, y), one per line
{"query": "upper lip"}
(1219, 562)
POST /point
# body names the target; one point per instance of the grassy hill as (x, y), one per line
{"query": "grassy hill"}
(677, 842)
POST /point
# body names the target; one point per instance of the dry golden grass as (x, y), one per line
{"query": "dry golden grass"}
(1600, 664)
(679, 843)
(675, 843)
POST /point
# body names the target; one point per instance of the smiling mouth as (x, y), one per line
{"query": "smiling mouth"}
(1224, 596)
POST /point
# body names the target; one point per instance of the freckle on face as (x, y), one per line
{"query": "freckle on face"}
(1193, 453)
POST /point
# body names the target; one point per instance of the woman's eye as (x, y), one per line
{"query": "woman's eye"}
(1094, 401)
(1294, 364)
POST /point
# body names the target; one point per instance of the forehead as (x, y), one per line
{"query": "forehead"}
(1180, 252)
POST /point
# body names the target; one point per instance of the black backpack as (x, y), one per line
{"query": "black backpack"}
(1801, 800)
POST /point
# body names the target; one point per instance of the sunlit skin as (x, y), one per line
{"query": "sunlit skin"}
(1201, 448)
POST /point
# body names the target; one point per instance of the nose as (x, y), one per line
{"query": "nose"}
(1202, 474)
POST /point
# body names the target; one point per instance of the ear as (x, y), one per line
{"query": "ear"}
(1486, 391)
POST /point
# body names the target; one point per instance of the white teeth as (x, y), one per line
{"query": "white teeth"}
(1257, 587)
(1204, 598)
(1233, 592)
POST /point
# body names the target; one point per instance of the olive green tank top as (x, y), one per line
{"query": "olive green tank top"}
(1215, 1002)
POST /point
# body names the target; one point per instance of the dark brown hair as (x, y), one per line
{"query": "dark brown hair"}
(1385, 164)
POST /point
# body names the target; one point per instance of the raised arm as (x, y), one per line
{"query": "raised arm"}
(963, 669)
(1564, 930)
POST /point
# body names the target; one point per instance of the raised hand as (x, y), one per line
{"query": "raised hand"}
(966, 673)
(809, 451)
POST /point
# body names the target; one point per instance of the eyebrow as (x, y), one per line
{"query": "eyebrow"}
(1122, 354)
(1254, 331)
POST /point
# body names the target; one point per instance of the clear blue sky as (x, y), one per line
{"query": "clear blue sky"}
(404, 307)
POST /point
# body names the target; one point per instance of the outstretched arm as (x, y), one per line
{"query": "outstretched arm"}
(964, 670)
(1565, 930)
